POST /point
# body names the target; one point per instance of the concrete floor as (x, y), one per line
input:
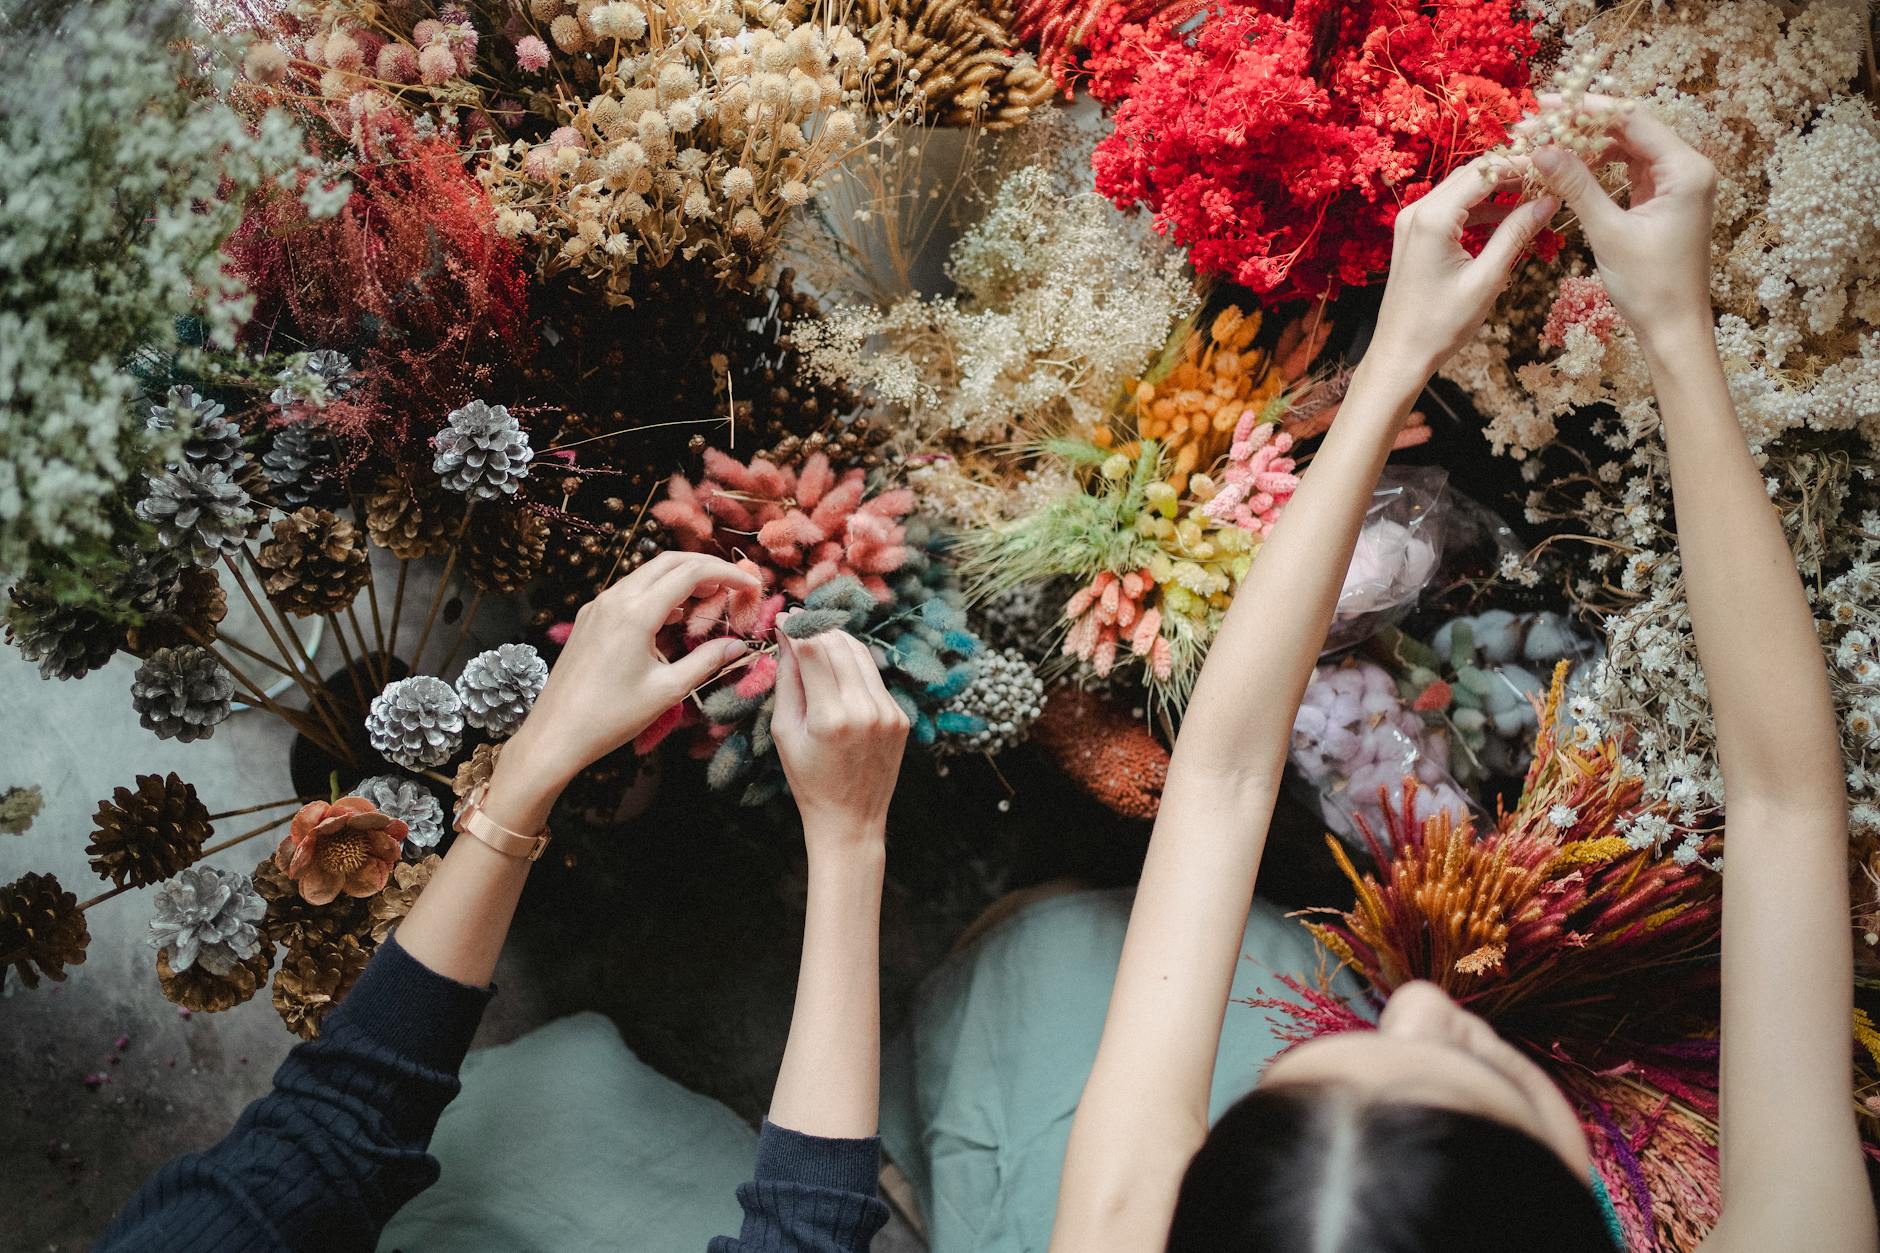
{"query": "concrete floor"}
(71, 1151)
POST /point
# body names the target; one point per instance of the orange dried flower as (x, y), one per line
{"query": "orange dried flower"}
(346, 846)
(1109, 754)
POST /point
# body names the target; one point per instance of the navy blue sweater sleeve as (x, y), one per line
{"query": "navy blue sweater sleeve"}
(809, 1195)
(326, 1158)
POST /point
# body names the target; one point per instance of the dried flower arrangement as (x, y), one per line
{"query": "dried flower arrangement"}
(116, 241)
(1771, 94)
(612, 138)
(840, 557)
(1059, 303)
(1157, 506)
(1596, 956)
(1276, 141)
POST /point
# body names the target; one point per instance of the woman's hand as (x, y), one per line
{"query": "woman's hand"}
(1437, 294)
(611, 682)
(1654, 254)
(839, 735)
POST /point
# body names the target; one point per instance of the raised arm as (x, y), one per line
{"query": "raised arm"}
(1144, 1109)
(324, 1160)
(1791, 1152)
(839, 735)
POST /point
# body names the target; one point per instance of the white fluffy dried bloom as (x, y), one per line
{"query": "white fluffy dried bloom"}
(693, 141)
(1060, 301)
(106, 235)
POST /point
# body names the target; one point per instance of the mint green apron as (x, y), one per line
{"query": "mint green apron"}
(978, 1091)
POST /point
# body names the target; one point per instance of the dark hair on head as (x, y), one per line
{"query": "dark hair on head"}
(1312, 1168)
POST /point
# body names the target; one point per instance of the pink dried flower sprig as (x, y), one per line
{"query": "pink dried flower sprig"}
(808, 525)
(1113, 611)
(1259, 478)
(1582, 303)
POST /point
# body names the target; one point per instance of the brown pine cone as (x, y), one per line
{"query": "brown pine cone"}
(200, 606)
(291, 921)
(204, 993)
(389, 907)
(143, 837)
(476, 769)
(503, 549)
(408, 521)
(313, 979)
(42, 929)
(314, 563)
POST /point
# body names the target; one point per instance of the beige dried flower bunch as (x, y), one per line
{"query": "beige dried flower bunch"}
(706, 124)
(611, 135)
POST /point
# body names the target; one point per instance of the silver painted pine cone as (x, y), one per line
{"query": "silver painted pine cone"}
(299, 465)
(411, 803)
(181, 693)
(312, 379)
(199, 510)
(207, 917)
(499, 687)
(209, 437)
(482, 452)
(416, 722)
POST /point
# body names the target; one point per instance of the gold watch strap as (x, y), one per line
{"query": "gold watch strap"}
(473, 820)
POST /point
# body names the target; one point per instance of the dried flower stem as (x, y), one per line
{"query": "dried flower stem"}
(346, 656)
(398, 608)
(251, 809)
(314, 705)
(463, 630)
(253, 655)
(374, 659)
(295, 718)
(443, 581)
(263, 829)
(379, 649)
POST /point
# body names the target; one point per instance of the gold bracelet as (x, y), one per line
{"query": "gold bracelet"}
(475, 821)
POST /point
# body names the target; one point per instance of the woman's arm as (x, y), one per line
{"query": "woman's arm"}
(608, 685)
(1791, 1152)
(839, 736)
(1144, 1109)
(325, 1159)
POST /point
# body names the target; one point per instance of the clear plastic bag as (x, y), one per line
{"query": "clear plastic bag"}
(1354, 741)
(1397, 553)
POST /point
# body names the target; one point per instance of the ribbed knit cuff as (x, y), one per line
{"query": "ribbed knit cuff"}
(786, 1156)
(413, 1011)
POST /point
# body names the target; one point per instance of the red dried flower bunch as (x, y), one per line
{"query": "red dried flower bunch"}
(1277, 139)
(1598, 958)
(409, 278)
